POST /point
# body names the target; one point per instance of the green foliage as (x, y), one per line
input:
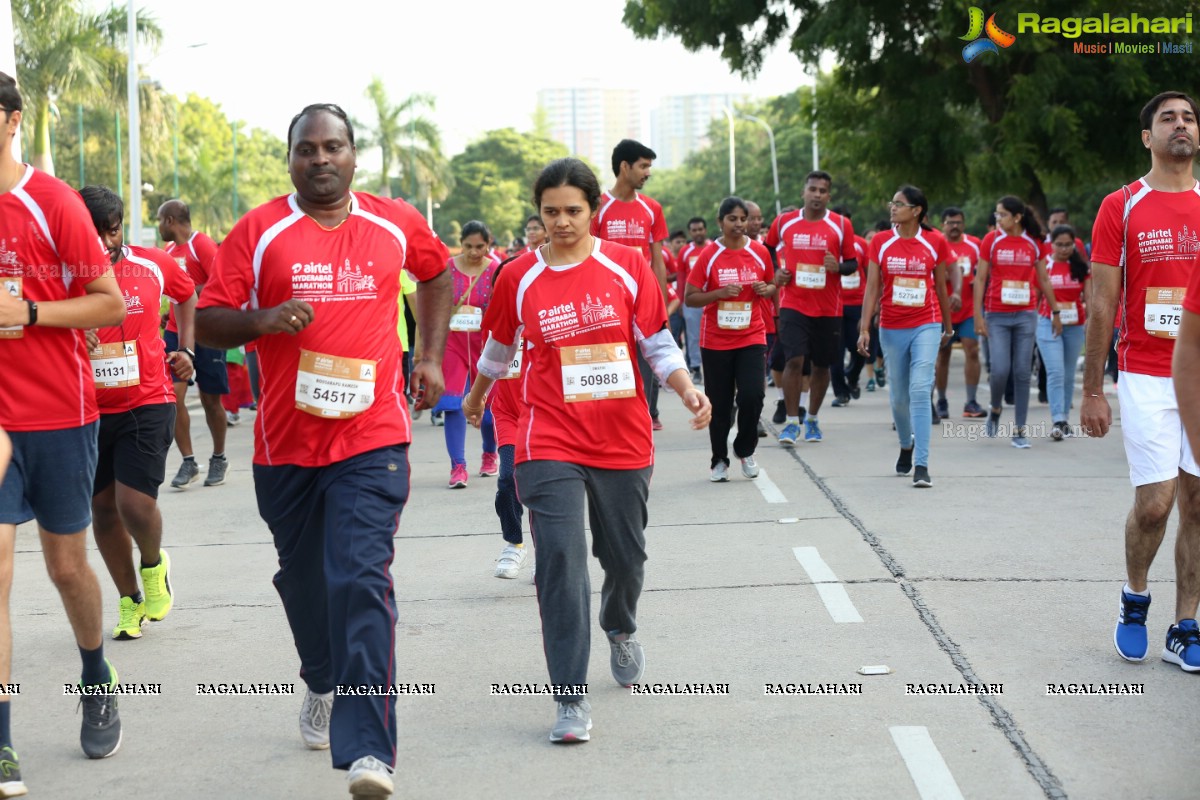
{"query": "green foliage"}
(410, 147)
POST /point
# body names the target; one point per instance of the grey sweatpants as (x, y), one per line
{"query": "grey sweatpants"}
(554, 493)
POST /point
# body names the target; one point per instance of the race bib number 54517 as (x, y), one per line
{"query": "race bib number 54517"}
(334, 387)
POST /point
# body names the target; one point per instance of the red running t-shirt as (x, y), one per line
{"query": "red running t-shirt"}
(145, 275)
(1164, 234)
(855, 286)
(1012, 271)
(735, 322)
(802, 246)
(1191, 300)
(196, 258)
(965, 253)
(636, 223)
(906, 270)
(351, 277)
(582, 399)
(1068, 293)
(49, 250)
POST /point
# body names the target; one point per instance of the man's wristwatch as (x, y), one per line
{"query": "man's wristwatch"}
(1056, 312)
(190, 354)
(32, 311)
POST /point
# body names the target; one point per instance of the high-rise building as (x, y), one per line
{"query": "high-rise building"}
(590, 121)
(680, 124)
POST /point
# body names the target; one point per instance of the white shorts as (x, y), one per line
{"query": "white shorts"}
(1155, 443)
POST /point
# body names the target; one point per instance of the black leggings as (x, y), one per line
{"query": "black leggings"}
(725, 371)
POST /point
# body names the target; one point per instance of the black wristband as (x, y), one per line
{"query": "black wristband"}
(189, 353)
(1056, 313)
(32, 311)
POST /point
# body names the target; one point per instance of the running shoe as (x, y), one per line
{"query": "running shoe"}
(921, 479)
(1056, 432)
(935, 417)
(417, 413)
(943, 408)
(841, 401)
(1183, 646)
(1021, 443)
(156, 581)
(855, 392)
(973, 410)
(780, 415)
(1130, 635)
(1067, 432)
(233, 418)
(490, 466)
(993, 424)
(370, 777)
(812, 431)
(458, 476)
(435, 419)
(870, 384)
(216, 471)
(656, 424)
(881, 376)
(749, 468)
(574, 722)
(11, 784)
(904, 462)
(129, 620)
(510, 561)
(627, 660)
(719, 473)
(314, 719)
(100, 734)
(697, 377)
(1042, 398)
(189, 471)
(789, 434)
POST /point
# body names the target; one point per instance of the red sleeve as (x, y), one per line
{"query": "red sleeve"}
(1191, 297)
(206, 253)
(848, 253)
(772, 240)
(425, 256)
(985, 247)
(594, 228)
(75, 239)
(698, 276)
(500, 316)
(177, 284)
(944, 255)
(1108, 230)
(873, 248)
(232, 278)
(860, 251)
(658, 230)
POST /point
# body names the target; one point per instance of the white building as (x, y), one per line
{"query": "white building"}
(680, 124)
(590, 121)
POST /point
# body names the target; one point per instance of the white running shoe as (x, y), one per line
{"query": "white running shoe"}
(510, 561)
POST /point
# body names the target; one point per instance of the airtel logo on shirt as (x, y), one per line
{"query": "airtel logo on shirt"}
(815, 241)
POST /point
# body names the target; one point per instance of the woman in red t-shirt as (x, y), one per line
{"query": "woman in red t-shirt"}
(731, 277)
(906, 270)
(1071, 278)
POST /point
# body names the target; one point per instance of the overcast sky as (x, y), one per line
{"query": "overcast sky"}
(263, 60)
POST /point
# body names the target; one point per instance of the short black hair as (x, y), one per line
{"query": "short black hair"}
(105, 206)
(629, 151)
(694, 220)
(537, 219)
(841, 211)
(331, 108)
(883, 225)
(568, 172)
(677, 235)
(1151, 108)
(1056, 210)
(952, 211)
(10, 96)
(728, 205)
(818, 175)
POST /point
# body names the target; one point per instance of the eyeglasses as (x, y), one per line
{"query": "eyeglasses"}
(895, 204)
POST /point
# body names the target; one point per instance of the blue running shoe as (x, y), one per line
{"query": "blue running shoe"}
(789, 434)
(1130, 636)
(812, 431)
(1183, 645)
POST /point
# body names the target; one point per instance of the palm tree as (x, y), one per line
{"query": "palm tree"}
(65, 53)
(406, 141)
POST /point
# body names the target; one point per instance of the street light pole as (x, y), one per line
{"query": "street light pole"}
(774, 162)
(732, 176)
(135, 136)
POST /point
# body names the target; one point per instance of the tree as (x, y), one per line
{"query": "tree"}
(406, 141)
(65, 54)
(1035, 119)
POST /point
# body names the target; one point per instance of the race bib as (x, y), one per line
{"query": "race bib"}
(115, 365)
(909, 292)
(733, 315)
(852, 281)
(597, 372)
(333, 387)
(1014, 293)
(12, 285)
(1069, 314)
(1164, 308)
(514, 366)
(810, 276)
(467, 318)
(964, 263)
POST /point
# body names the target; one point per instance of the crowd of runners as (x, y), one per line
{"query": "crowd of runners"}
(351, 319)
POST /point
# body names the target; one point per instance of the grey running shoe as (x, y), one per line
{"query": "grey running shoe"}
(216, 471)
(574, 722)
(370, 777)
(749, 468)
(627, 660)
(1020, 442)
(100, 734)
(189, 471)
(314, 719)
(720, 472)
(11, 784)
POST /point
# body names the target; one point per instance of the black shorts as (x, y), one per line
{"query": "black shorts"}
(817, 339)
(210, 375)
(134, 446)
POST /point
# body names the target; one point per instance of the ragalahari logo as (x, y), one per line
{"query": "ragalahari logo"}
(996, 38)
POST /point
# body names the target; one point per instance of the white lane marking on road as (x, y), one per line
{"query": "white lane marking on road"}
(770, 491)
(831, 592)
(925, 764)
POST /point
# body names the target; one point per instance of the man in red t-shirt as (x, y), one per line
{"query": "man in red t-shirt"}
(965, 249)
(1144, 246)
(698, 235)
(195, 252)
(133, 374)
(845, 381)
(315, 278)
(55, 280)
(633, 219)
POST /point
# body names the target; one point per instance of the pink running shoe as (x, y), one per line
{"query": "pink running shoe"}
(490, 467)
(458, 476)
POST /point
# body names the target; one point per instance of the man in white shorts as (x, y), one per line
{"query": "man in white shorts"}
(1144, 250)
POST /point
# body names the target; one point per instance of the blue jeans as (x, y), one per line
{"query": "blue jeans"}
(910, 355)
(1010, 337)
(691, 321)
(1059, 355)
